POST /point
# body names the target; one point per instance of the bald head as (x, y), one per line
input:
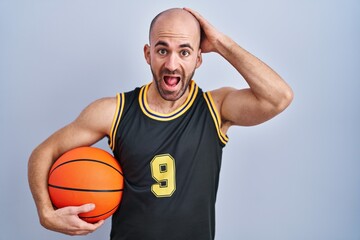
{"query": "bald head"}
(175, 19)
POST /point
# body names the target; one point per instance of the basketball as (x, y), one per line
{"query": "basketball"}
(87, 175)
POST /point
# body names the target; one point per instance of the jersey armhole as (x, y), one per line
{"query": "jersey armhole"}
(216, 117)
(120, 102)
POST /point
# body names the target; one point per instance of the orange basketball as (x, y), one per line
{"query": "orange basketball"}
(87, 175)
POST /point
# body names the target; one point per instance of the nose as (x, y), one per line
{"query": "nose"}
(172, 62)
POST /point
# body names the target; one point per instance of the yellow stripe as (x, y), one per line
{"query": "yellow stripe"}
(120, 102)
(216, 117)
(169, 116)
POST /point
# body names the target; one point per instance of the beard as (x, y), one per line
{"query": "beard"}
(183, 82)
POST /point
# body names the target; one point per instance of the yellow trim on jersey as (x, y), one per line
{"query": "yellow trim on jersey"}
(120, 103)
(216, 117)
(169, 116)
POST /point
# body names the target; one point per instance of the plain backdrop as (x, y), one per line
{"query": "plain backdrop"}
(296, 177)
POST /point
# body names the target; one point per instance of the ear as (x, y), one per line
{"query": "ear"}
(199, 59)
(147, 53)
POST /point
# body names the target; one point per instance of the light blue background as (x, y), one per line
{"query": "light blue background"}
(295, 177)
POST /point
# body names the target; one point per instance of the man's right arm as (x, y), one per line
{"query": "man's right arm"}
(92, 125)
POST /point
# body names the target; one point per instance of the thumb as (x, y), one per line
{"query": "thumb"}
(85, 208)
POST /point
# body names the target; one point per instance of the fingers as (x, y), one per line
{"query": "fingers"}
(83, 208)
(98, 224)
(189, 10)
(84, 228)
(196, 15)
(209, 35)
(203, 22)
(67, 221)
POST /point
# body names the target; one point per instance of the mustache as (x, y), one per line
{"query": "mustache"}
(168, 72)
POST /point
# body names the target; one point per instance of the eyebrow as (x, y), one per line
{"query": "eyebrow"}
(186, 45)
(165, 44)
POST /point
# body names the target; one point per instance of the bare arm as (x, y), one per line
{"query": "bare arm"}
(268, 94)
(92, 125)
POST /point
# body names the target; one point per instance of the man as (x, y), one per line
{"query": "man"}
(167, 135)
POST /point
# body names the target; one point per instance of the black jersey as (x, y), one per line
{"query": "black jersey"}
(171, 165)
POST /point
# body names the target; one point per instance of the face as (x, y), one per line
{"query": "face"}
(173, 55)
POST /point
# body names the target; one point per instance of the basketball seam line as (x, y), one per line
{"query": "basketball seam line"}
(84, 160)
(85, 190)
(86, 217)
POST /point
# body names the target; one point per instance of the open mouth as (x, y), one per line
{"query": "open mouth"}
(171, 81)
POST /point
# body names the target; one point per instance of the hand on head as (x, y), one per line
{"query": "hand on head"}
(209, 34)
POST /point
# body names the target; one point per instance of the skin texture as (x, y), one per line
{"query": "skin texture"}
(174, 53)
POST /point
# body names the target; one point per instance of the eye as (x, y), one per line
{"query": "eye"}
(162, 51)
(185, 53)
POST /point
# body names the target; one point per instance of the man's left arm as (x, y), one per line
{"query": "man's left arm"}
(268, 94)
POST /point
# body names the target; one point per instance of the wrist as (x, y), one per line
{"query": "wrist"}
(225, 45)
(45, 214)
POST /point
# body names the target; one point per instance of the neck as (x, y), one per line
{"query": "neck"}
(158, 104)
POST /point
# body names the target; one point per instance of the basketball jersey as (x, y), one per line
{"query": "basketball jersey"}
(171, 164)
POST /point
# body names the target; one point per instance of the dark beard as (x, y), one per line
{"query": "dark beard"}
(165, 94)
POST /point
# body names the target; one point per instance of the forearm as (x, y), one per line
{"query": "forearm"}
(86, 130)
(265, 83)
(39, 164)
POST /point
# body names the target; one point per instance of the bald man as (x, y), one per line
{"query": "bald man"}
(167, 135)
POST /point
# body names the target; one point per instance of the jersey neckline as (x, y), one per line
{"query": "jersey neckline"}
(172, 115)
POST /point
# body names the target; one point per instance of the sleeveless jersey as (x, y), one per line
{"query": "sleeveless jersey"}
(171, 164)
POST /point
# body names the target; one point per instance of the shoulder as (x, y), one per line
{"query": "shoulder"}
(98, 114)
(104, 103)
(218, 96)
(101, 106)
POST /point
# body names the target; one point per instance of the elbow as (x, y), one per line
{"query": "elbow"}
(288, 96)
(285, 100)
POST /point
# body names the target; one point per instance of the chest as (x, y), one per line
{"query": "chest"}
(189, 139)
